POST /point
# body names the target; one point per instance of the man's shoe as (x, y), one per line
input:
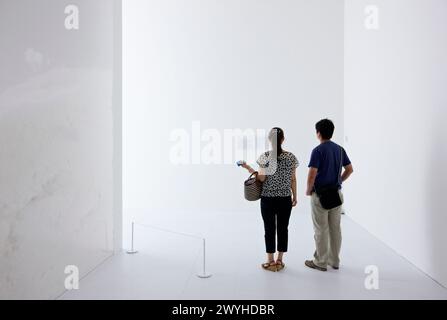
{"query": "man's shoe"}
(312, 265)
(335, 268)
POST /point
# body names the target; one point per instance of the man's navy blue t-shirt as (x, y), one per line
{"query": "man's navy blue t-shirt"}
(326, 158)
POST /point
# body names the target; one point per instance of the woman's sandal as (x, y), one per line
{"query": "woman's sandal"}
(270, 266)
(280, 265)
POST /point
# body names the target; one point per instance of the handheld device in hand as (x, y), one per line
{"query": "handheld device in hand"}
(240, 163)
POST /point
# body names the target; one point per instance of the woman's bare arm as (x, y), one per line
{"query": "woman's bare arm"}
(261, 172)
(294, 189)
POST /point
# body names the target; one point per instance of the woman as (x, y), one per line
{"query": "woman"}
(277, 171)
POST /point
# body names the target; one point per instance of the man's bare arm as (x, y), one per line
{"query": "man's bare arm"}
(347, 173)
(311, 180)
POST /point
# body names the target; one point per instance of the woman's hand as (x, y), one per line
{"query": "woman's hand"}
(294, 202)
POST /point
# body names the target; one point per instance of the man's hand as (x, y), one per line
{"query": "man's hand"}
(308, 192)
(347, 173)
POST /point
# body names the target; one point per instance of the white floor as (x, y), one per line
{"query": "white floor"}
(166, 266)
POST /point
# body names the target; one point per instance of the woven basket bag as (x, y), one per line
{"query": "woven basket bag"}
(252, 188)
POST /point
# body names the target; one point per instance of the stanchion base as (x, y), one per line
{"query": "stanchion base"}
(204, 276)
(131, 251)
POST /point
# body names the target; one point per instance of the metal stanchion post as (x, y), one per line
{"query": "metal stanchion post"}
(204, 274)
(132, 249)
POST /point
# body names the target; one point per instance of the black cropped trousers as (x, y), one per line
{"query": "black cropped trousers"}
(276, 213)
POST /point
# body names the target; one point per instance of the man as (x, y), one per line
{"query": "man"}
(325, 171)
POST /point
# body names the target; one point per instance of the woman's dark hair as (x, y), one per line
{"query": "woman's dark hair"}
(277, 133)
(326, 128)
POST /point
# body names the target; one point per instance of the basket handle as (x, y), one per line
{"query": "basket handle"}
(253, 174)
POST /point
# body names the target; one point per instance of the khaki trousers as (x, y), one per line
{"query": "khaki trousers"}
(327, 233)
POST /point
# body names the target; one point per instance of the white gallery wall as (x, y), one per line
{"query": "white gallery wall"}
(201, 67)
(58, 198)
(395, 112)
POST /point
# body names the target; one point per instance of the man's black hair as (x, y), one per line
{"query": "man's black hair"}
(326, 128)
